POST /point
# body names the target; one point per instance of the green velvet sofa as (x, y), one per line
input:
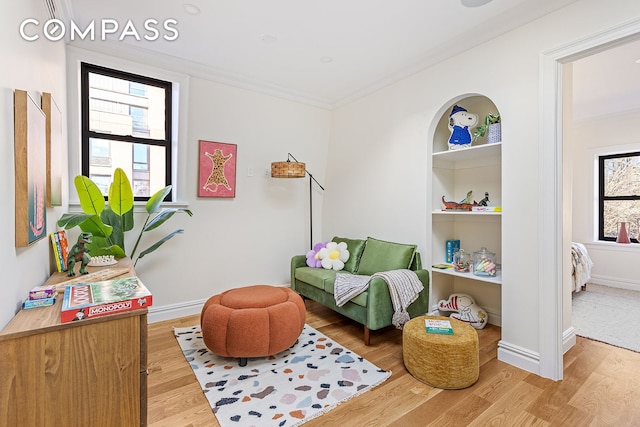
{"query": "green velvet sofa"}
(372, 308)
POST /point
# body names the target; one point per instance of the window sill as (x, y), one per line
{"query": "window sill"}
(613, 246)
(138, 207)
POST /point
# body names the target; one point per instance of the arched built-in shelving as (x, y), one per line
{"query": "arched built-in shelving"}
(454, 173)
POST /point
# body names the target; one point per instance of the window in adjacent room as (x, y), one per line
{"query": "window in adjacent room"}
(126, 123)
(619, 193)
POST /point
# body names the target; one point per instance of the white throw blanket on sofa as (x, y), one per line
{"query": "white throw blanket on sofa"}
(404, 288)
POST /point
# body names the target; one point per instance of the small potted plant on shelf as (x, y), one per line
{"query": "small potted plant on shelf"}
(491, 128)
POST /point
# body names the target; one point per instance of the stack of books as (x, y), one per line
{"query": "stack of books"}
(60, 249)
(40, 296)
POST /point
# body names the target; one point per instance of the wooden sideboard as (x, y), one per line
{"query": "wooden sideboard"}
(91, 372)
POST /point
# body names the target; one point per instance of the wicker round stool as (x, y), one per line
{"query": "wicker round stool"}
(254, 321)
(442, 361)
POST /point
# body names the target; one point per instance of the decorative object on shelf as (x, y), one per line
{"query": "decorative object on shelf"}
(313, 256)
(467, 199)
(451, 247)
(484, 263)
(485, 201)
(102, 260)
(296, 169)
(460, 120)
(79, 252)
(217, 169)
(492, 128)
(461, 261)
(108, 223)
(464, 308)
(454, 206)
(623, 234)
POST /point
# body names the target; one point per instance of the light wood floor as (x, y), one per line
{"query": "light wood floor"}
(601, 385)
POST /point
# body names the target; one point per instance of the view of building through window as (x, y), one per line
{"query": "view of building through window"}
(619, 193)
(126, 129)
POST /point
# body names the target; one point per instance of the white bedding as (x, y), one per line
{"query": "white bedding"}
(581, 266)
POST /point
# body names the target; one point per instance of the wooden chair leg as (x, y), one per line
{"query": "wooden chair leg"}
(367, 336)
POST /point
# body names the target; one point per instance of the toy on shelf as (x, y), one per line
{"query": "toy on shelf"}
(79, 252)
(460, 120)
(461, 261)
(464, 308)
(454, 206)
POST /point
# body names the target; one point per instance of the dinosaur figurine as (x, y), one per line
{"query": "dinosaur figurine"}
(79, 252)
(458, 206)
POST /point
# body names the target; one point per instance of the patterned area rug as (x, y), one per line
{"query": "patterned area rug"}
(312, 377)
(609, 315)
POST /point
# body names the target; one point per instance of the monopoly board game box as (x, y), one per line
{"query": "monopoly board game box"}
(88, 300)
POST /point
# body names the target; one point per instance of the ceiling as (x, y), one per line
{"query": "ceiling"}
(324, 53)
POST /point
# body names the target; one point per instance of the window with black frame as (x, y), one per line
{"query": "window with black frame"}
(126, 123)
(619, 194)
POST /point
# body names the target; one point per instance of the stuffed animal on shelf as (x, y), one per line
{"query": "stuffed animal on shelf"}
(460, 120)
(464, 308)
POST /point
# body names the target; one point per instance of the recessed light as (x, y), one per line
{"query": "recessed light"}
(474, 3)
(268, 38)
(326, 59)
(191, 9)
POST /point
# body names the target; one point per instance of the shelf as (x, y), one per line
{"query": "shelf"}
(497, 279)
(474, 152)
(442, 212)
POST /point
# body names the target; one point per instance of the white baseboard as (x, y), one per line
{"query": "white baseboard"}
(519, 357)
(568, 339)
(172, 311)
(615, 282)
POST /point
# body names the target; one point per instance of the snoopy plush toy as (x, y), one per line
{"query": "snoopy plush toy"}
(460, 122)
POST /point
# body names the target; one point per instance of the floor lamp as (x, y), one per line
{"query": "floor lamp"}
(296, 169)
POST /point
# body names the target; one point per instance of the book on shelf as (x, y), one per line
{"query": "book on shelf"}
(60, 246)
(94, 299)
(64, 247)
(56, 252)
(486, 209)
(436, 326)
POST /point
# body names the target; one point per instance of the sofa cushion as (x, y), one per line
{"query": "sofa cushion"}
(355, 247)
(317, 277)
(360, 299)
(380, 255)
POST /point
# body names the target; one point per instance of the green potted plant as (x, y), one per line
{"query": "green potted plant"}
(491, 128)
(109, 222)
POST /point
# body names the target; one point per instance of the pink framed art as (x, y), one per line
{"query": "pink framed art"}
(217, 169)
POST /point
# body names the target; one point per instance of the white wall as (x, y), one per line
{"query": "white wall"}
(36, 67)
(614, 264)
(380, 146)
(228, 242)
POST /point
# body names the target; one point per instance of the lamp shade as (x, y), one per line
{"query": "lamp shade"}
(287, 169)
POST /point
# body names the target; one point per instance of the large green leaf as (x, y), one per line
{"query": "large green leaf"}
(164, 215)
(154, 201)
(114, 220)
(69, 220)
(159, 243)
(90, 196)
(95, 226)
(120, 193)
(127, 220)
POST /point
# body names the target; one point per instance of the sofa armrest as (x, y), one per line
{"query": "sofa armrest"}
(297, 261)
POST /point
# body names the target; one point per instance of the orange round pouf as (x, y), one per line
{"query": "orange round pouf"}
(253, 321)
